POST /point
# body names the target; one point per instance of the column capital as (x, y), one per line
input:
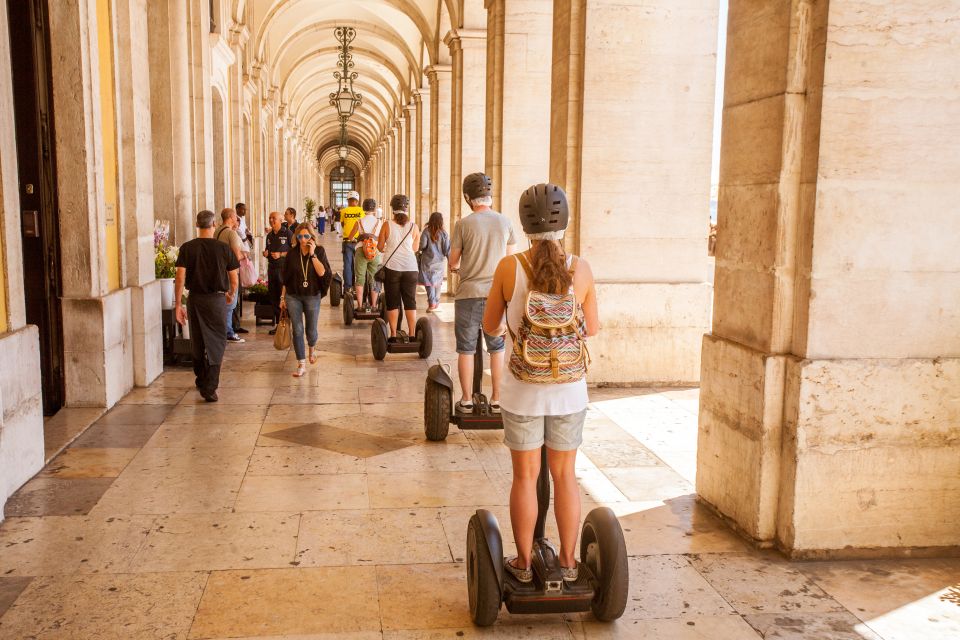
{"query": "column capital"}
(434, 71)
(420, 95)
(408, 109)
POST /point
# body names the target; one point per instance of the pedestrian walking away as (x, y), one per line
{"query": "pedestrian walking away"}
(434, 250)
(306, 279)
(349, 216)
(209, 270)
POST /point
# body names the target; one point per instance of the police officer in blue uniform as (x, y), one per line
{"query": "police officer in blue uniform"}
(278, 243)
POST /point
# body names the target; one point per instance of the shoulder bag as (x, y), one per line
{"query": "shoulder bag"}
(381, 274)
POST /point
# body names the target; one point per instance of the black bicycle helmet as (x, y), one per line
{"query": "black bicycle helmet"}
(369, 204)
(543, 208)
(477, 185)
(400, 202)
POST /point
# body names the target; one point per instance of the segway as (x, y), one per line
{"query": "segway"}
(336, 289)
(366, 311)
(421, 342)
(602, 581)
(438, 407)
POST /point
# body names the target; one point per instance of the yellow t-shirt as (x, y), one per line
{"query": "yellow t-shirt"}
(348, 218)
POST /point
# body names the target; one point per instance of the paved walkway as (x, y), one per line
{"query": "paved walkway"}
(315, 508)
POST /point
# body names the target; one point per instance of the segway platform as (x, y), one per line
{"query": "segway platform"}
(438, 408)
(421, 342)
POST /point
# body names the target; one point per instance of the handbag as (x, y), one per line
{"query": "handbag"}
(248, 272)
(381, 274)
(283, 338)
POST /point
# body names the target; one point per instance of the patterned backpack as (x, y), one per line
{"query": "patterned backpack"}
(549, 346)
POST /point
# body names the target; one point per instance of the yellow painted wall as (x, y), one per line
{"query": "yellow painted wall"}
(109, 128)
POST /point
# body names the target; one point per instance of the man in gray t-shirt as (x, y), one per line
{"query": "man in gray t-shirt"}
(478, 244)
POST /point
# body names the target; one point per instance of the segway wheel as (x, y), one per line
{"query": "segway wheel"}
(436, 411)
(424, 335)
(483, 589)
(604, 551)
(348, 310)
(336, 292)
(379, 333)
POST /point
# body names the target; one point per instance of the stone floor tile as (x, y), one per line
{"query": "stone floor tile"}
(106, 607)
(197, 461)
(316, 395)
(432, 489)
(61, 429)
(669, 587)
(295, 602)
(204, 541)
(455, 520)
(811, 626)
(728, 627)
(154, 395)
(644, 484)
(240, 396)
(217, 414)
(57, 497)
(132, 436)
(162, 493)
(70, 544)
(304, 414)
(423, 596)
(762, 583)
(612, 453)
(303, 493)
(185, 436)
(136, 414)
(379, 536)
(515, 631)
(10, 590)
(678, 525)
(301, 460)
(898, 599)
(427, 457)
(173, 378)
(343, 441)
(89, 463)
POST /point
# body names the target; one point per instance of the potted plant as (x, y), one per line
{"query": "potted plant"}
(309, 206)
(263, 310)
(164, 262)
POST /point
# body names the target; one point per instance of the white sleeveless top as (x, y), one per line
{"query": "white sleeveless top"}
(404, 259)
(523, 398)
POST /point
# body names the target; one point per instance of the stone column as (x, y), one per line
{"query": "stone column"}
(518, 99)
(468, 49)
(440, 104)
(402, 167)
(631, 143)
(21, 410)
(170, 126)
(421, 188)
(135, 151)
(829, 408)
(409, 160)
(201, 102)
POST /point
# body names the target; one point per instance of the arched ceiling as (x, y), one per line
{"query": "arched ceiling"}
(293, 41)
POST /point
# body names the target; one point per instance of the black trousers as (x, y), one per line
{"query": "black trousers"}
(275, 287)
(208, 337)
(238, 311)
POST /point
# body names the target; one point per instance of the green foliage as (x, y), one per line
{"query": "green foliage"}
(165, 261)
(309, 206)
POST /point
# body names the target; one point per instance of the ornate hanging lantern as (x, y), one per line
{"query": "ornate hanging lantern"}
(345, 99)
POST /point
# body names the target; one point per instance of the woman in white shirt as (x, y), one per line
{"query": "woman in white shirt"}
(535, 414)
(398, 237)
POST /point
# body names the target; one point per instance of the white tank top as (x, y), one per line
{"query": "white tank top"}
(523, 398)
(404, 259)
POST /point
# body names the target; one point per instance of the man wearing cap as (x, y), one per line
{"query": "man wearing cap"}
(349, 215)
(479, 242)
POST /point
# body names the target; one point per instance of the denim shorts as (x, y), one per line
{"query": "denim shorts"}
(468, 322)
(560, 433)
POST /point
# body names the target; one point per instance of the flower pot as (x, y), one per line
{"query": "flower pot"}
(166, 292)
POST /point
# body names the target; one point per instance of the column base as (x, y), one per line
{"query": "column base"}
(650, 333)
(21, 410)
(147, 333)
(832, 458)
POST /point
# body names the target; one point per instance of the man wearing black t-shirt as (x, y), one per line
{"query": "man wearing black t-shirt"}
(210, 271)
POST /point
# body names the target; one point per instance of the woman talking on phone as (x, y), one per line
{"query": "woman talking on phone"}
(306, 278)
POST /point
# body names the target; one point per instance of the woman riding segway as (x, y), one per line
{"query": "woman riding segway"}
(545, 301)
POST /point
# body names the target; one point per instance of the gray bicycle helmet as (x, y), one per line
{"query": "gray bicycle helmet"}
(400, 202)
(369, 204)
(477, 185)
(543, 208)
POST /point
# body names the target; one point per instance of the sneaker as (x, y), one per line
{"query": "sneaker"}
(570, 574)
(242, 330)
(235, 339)
(522, 575)
(464, 407)
(210, 397)
(495, 406)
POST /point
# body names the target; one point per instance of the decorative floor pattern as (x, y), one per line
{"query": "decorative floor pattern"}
(314, 508)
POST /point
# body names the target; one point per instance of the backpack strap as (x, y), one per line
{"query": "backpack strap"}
(527, 267)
